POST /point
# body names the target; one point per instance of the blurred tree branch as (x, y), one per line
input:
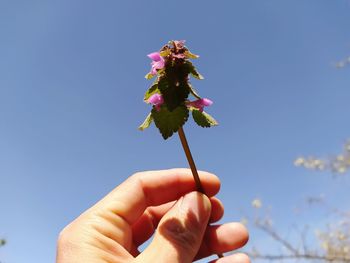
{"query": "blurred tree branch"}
(343, 63)
(332, 244)
(338, 164)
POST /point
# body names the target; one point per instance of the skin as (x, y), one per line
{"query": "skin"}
(163, 203)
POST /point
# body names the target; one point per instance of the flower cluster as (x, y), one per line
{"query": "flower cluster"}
(170, 91)
(158, 62)
(157, 100)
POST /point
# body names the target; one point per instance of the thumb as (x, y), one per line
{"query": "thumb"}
(180, 231)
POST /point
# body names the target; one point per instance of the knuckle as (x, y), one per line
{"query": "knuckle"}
(138, 175)
(64, 237)
(70, 234)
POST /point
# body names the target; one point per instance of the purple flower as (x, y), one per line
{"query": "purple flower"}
(180, 55)
(157, 100)
(200, 103)
(180, 43)
(157, 63)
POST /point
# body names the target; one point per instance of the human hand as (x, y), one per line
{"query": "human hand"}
(164, 202)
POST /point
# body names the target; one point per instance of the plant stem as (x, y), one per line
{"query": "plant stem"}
(190, 160)
(192, 164)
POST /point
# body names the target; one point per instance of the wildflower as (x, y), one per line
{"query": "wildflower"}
(157, 62)
(180, 55)
(157, 100)
(179, 43)
(179, 49)
(200, 103)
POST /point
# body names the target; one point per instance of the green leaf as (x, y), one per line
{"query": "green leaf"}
(203, 119)
(164, 53)
(146, 123)
(174, 93)
(149, 76)
(193, 71)
(196, 74)
(169, 122)
(190, 55)
(152, 90)
(193, 91)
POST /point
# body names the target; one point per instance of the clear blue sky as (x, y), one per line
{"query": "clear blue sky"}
(71, 88)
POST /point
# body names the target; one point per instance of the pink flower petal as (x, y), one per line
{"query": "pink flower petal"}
(206, 102)
(156, 99)
(155, 56)
(157, 63)
(153, 71)
(200, 103)
(179, 55)
(180, 43)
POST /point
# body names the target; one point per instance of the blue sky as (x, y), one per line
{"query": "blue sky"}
(71, 89)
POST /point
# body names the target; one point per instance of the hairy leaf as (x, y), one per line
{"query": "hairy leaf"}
(149, 76)
(147, 122)
(169, 122)
(152, 90)
(164, 53)
(193, 91)
(174, 92)
(190, 55)
(193, 71)
(203, 119)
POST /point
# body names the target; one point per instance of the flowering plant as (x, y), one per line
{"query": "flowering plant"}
(170, 91)
(169, 96)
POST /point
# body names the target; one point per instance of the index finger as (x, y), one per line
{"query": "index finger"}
(152, 188)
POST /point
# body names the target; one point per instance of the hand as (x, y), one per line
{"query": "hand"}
(164, 202)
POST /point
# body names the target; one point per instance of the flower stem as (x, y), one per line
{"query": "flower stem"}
(192, 164)
(190, 160)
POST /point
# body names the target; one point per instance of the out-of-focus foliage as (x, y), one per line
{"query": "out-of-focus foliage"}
(343, 63)
(335, 241)
(256, 203)
(2, 242)
(330, 243)
(338, 164)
